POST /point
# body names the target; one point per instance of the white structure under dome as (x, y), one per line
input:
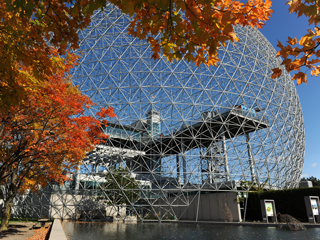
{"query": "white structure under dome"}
(185, 132)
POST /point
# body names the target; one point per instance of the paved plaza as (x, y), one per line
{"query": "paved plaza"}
(20, 231)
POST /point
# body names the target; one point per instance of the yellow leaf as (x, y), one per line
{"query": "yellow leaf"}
(315, 72)
(292, 41)
(234, 36)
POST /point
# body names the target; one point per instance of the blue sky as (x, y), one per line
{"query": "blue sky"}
(279, 27)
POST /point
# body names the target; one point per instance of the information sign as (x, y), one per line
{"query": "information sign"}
(269, 209)
(314, 207)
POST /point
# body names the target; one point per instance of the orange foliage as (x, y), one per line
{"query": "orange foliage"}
(39, 234)
(27, 30)
(195, 29)
(190, 28)
(48, 132)
(302, 53)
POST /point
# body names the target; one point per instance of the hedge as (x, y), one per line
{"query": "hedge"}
(289, 201)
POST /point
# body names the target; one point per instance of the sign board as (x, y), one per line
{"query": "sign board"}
(269, 209)
(314, 206)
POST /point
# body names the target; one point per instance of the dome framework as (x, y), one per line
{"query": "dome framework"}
(183, 130)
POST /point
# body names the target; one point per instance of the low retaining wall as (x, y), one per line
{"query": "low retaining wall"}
(203, 207)
(62, 206)
(57, 232)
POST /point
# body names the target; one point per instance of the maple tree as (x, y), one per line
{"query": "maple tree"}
(27, 31)
(47, 134)
(194, 29)
(303, 53)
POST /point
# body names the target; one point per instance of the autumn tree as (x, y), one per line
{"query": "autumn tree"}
(27, 31)
(302, 55)
(47, 133)
(194, 29)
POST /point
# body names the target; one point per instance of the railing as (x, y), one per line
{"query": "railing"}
(250, 113)
(122, 133)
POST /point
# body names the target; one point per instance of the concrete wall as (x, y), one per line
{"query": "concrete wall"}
(63, 206)
(31, 206)
(209, 207)
(77, 206)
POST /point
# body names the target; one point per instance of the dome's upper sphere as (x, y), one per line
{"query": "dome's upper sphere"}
(232, 121)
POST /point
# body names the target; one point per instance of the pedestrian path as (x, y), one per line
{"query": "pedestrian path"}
(18, 231)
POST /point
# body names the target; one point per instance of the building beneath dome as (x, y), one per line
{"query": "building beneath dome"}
(186, 136)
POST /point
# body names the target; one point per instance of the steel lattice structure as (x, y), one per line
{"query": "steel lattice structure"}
(182, 129)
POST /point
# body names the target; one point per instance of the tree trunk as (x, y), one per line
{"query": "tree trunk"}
(6, 213)
(11, 193)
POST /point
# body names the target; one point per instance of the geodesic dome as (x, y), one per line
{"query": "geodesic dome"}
(181, 129)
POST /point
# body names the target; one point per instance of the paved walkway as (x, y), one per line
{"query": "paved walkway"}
(57, 232)
(18, 231)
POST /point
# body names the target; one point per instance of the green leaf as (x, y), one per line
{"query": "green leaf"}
(10, 7)
(9, 29)
(29, 8)
(19, 4)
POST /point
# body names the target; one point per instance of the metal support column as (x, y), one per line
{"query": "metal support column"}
(154, 161)
(209, 163)
(251, 163)
(178, 168)
(184, 163)
(225, 155)
(198, 205)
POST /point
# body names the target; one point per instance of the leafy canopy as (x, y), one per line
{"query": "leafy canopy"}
(194, 29)
(28, 30)
(48, 132)
(119, 187)
(189, 28)
(302, 55)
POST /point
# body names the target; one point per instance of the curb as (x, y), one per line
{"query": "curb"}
(57, 232)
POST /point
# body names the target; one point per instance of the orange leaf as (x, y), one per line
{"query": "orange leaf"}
(276, 73)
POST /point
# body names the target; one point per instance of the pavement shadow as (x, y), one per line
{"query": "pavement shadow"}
(17, 231)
